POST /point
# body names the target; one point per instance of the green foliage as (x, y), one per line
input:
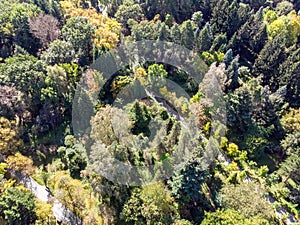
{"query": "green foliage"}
(229, 217)
(14, 26)
(197, 17)
(248, 200)
(228, 21)
(59, 52)
(140, 117)
(17, 206)
(267, 63)
(211, 57)
(290, 167)
(156, 76)
(289, 25)
(188, 187)
(79, 32)
(24, 72)
(291, 121)
(205, 39)
(73, 154)
(129, 10)
(187, 34)
(152, 204)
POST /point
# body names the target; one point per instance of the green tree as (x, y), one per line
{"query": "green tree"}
(187, 34)
(140, 117)
(152, 204)
(230, 217)
(176, 34)
(129, 10)
(290, 167)
(268, 61)
(14, 27)
(79, 32)
(247, 199)
(251, 37)
(197, 17)
(156, 76)
(17, 206)
(73, 154)
(225, 18)
(205, 39)
(219, 43)
(26, 73)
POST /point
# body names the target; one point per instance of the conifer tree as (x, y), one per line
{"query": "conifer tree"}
(205, 39)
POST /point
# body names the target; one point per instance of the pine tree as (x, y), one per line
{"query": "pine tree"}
(176, 34)
(250, 38)
(268, 61)
(225, 18)
(220, 43)
(205, 39)
(187, 34)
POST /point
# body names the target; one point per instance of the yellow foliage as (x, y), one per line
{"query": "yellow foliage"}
(233, 150)
(233, 167)
(44, 213)
(18, 162)
(287, 23)
(76, 197)
(9, 138)
(107, 29)
(291, 121)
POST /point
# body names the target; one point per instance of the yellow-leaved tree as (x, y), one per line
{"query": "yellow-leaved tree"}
(107, 30)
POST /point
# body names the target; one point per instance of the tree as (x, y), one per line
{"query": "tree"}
(26, 73)
(247, 199)
(205, 39)
(21, 163)
(230, 217)
(290, 167)
(164, 32)
(49, 7)
(291, 121)
(232, 73)
(187, 34)
(79, 32)
(77, 197)
(156, 76)
(45, 28)
(197, 17)
(44, 213)
(10, 141)
(105, 125)
(189, 188)
(176, 34)
(129, 10)
(73, 154)
(284, 7)
(251, 37)
(107, 30)
(140, 117)
(219, 43)
(12, 103)
(225, 18)
(152, 204)
(14, 28)
(268, 61)
(17, 206)
(287, 25)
